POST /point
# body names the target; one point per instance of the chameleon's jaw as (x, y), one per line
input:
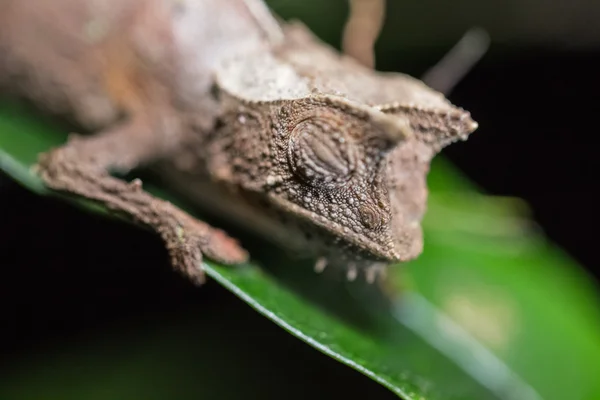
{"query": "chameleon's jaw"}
(339, 239)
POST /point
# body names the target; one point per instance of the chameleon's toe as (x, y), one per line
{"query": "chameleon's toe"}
(224, 249)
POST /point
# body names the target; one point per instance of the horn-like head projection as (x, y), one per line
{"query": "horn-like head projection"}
(334, 154)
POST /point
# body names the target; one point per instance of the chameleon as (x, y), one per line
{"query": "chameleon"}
(253, 117)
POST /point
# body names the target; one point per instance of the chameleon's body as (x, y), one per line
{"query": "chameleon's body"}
(265, 124)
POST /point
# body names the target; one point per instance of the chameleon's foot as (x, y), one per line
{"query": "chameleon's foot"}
(187, 239)
(72, 170)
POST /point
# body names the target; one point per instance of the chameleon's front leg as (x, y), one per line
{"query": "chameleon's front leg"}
(81, 167)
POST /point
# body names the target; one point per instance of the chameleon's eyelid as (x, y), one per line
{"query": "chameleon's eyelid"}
(395, 128)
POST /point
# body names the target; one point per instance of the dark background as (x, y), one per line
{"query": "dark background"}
(538, 111)
(67, 275)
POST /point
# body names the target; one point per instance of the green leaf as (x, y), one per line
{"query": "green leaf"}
(490, 310)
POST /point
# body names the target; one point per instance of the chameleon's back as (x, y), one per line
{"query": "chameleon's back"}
(97, 60)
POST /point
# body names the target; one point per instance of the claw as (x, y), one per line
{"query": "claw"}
(352, 272)
(371, 274)
(320, 265)
(136, 184)
(374, 272)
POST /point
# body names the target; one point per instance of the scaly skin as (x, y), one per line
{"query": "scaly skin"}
(260, 122)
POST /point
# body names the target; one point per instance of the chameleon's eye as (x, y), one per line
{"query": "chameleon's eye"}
(320, 152)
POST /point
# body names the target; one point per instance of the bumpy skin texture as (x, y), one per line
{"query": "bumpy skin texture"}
(332, 155)
(268, 126)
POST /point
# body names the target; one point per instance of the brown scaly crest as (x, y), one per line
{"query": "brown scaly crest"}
(340, 148)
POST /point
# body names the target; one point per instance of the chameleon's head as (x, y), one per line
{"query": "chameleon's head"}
(336, 154)
(330, 170)
(348, 180)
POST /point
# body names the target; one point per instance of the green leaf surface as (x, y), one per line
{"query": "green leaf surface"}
(491, 310)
